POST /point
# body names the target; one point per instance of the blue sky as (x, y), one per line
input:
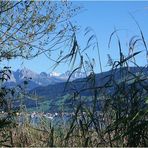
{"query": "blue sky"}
(102, 17)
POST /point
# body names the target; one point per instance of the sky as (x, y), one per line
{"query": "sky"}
(103, 18)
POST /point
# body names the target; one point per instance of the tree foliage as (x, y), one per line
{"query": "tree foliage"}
(30, 28)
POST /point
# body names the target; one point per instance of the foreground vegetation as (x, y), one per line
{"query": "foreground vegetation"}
(122, 121)
(122, 118)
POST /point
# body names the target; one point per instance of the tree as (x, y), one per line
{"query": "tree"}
(28, 29)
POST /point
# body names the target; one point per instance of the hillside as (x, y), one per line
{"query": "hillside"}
(61, 89)
(55, 95)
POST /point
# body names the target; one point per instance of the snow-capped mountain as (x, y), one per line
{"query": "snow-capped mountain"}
(74, 75)
(43, 79)
(55, 74)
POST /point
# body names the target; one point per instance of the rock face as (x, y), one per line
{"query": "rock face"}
(36, 79)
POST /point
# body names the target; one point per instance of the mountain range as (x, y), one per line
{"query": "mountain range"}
(53, 89)
(85, 84)
(39, 79)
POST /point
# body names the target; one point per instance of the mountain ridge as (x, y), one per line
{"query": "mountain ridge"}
(53, 95)
(56, 90)
(38, 79)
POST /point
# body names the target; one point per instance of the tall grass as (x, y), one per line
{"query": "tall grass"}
(122, 117)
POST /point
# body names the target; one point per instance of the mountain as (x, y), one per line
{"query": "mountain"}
(52, 96)
(57, 90)
(74, 76)
(35, 79)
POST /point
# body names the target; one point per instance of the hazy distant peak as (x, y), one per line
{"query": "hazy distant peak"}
(75, 75)
(24, 73)
(42, 79)
(55, 74)
(25, 70)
